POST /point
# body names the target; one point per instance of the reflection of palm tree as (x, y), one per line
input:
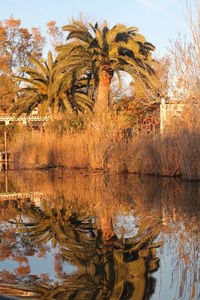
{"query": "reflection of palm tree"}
(115, 269)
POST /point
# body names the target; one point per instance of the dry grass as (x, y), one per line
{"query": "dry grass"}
(104, 145)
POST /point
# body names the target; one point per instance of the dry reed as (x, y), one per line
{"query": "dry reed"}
(105, 145)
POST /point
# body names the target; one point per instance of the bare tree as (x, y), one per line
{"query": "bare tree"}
(184, 53)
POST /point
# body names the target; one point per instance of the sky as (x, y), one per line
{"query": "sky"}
(158, 20)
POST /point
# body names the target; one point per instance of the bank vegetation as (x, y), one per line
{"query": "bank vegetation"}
(96, 120)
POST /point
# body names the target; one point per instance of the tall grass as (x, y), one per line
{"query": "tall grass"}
(104, 145)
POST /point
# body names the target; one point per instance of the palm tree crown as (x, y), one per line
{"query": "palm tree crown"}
(100, 52)
(34, 90)
(39, 90)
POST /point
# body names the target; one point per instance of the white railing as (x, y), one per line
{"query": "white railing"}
(32, 118)
(35, 197)
(13, 196)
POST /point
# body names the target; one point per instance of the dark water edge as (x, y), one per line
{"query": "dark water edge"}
(52, 167)
(79, 235)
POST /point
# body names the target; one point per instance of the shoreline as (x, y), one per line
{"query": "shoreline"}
(46, 168)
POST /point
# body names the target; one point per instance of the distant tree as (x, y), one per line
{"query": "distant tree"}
(143, 102)
(16, 44)
(55, 34)
(101, 52)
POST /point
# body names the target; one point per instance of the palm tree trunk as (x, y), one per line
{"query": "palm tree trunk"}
(106, 225)
(102, 102)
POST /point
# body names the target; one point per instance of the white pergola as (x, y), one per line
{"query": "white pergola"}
(6, 119)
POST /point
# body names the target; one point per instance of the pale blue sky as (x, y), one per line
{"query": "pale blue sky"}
(158, 20)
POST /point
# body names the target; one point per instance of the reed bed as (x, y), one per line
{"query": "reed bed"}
(105, 144)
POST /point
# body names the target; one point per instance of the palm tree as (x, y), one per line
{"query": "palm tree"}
(39, 86)
(100, 52)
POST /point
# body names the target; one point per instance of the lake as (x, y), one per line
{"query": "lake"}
(79, 235)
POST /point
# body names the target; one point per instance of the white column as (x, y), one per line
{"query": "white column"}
(162, 115)
(24, 121)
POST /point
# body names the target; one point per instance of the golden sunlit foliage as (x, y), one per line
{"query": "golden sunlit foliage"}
(16, 44)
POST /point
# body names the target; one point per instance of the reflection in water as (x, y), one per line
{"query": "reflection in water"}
(80, 236)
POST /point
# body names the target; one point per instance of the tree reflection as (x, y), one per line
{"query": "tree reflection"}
(82, 218)
(108, 267)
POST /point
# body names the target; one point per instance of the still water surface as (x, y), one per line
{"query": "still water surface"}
(93, 236)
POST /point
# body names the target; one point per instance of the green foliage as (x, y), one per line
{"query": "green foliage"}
(136, 109)
(66, 124)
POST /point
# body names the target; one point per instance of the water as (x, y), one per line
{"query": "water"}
(93, 236)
